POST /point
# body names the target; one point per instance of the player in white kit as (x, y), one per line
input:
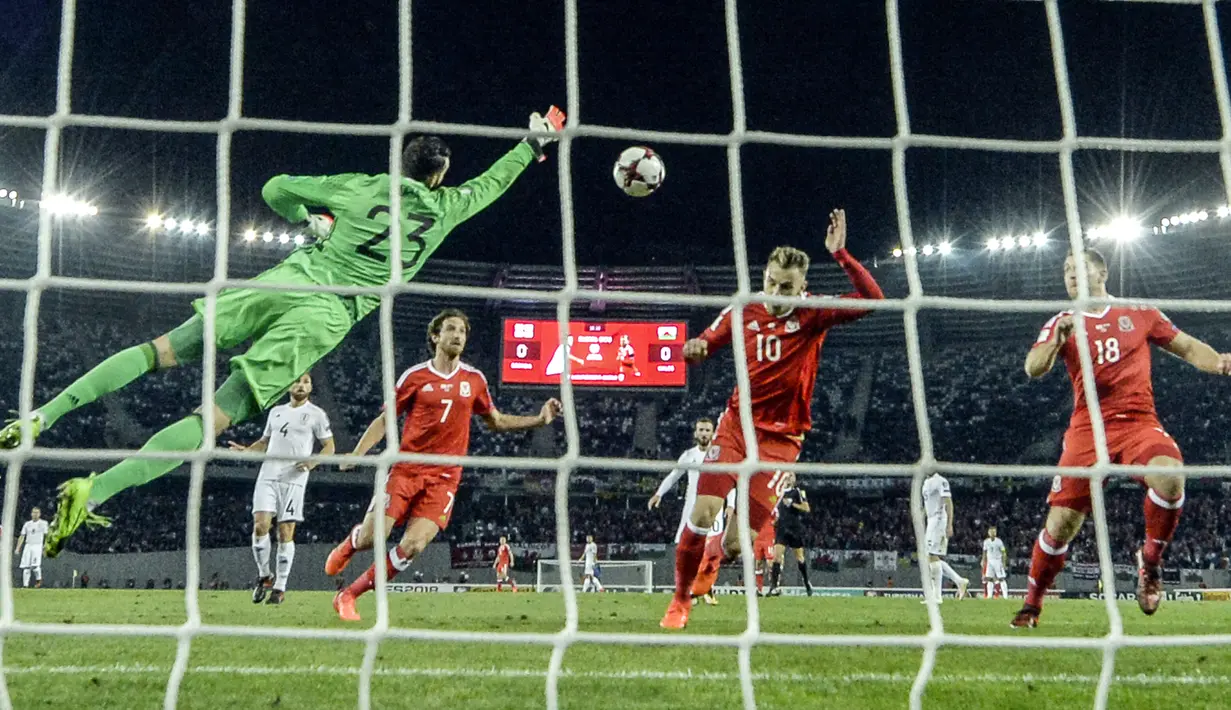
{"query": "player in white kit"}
(30, 546)
(689, 462)
(589, 574)
(994, 577)
(938, 510)
(289, 433)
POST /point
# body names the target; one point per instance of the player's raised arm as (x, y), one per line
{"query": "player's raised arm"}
(1199, 354)
(1047, 346)
(865, 285)
(473, 196)
(498, 421)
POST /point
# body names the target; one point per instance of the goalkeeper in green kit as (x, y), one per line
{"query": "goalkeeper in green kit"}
(290, 330)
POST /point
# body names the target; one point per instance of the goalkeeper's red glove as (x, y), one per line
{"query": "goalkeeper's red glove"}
(551, 123)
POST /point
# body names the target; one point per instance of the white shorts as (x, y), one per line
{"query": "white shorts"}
(995, 570)
(31, 556)
(589, 571)
(284, 500)
(935, 539)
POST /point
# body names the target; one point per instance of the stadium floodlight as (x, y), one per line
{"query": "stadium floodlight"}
(299, 239)
(1024, 241)
(249, 235)
(187, 226)
(170, 223)
(1008, 243)
(284, 238)
(1039, 239)
(928, 249)
(267, 237)
(1203, 215)
(3, 193)
(993, 244)
(897, 252)
(202, 228)
(1123, 229)
(1166, 222)
(153, 220)
(945, 248)
(1224, 211)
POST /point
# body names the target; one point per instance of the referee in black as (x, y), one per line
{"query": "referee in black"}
(792, 508)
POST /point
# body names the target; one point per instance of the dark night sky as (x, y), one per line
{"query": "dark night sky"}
(973, 68)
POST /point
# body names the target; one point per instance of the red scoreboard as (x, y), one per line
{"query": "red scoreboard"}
(602, 353)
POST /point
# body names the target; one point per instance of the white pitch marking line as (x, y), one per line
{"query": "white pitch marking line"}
(844, 678)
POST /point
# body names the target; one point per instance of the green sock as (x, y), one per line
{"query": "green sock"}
(184, 435)
(107, 376)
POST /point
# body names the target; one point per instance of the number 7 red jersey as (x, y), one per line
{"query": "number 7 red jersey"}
(783, 353)
(1119, 339)
(438, 408)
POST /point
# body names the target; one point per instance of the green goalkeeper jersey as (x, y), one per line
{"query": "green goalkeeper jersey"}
(357, 252)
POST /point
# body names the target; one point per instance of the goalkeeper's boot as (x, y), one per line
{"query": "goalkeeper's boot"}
(262, 587)
(72, 511)
(710, 599)
(1149, 586)
(10, 435)
(344, 604)
(1027, 618)
(276, 596)
(676, 616)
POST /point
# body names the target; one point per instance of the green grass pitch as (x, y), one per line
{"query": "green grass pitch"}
(253, 672)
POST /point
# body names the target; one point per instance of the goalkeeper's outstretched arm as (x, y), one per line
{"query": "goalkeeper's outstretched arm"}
(473, 196)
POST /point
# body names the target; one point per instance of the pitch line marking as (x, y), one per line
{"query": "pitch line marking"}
(1141, 679)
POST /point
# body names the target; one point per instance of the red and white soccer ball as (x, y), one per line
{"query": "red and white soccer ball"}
(639, 171)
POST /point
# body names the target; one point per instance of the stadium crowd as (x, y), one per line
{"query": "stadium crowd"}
(981, 408)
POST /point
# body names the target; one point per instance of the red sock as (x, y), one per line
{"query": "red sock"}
(1045, 563)
(513, 584)
(395, 562)
(499, 586)
(1162, 518)
(688, 554)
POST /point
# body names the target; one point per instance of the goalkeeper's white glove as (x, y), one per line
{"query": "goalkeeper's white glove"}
(551, 123)
(319, 226)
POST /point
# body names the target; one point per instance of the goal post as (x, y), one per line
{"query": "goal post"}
(616, 575)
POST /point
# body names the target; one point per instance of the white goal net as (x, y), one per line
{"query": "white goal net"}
(937, 637)
(615, 575)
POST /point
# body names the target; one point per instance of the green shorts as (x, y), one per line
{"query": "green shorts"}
(290, 331)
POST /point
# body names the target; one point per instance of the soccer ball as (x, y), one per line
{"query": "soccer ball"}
(639, 171)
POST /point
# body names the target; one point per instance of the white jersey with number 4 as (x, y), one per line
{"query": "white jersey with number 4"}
(689, 463)
(291, 432)
(935, 490)
(590, 557)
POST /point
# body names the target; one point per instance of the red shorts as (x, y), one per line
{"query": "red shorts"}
(763, 547)
(502, 571)
(765, 487)
(1129, 442)
(410, 495)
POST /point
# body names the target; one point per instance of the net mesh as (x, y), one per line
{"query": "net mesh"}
(572, 459)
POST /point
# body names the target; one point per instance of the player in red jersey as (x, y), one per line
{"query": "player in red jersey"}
(437, 398)
(626, 356)
(1119, 342)
(763, 551)
(782, 349)
(504, 563)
